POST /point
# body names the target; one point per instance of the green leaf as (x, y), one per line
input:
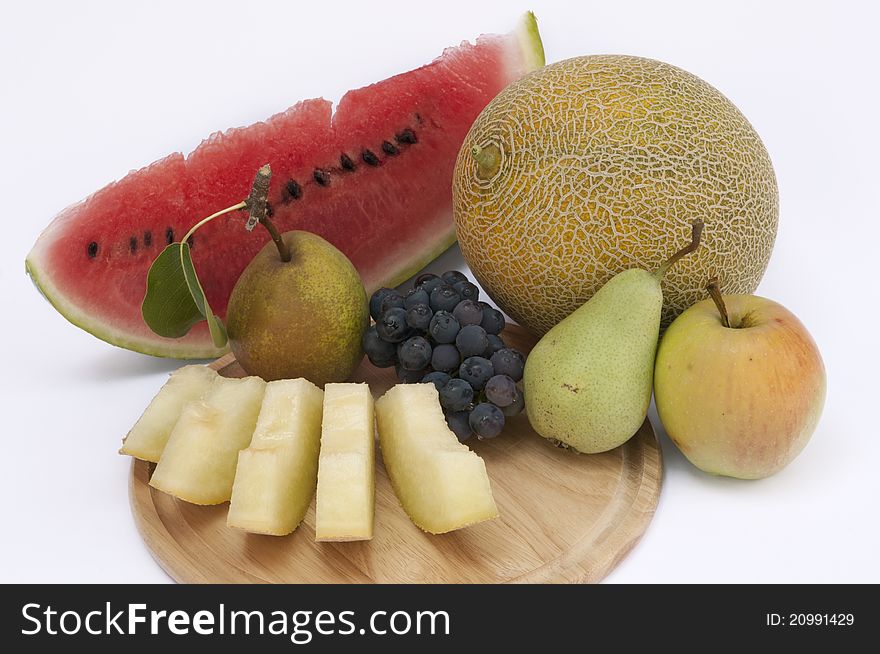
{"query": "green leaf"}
(175, 300)
(218, 331)
(168, 307)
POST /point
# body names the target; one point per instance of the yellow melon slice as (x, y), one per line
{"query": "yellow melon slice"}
(346, 466)
(198, 464)
(147, 438)
(276, 476)
(441, 484)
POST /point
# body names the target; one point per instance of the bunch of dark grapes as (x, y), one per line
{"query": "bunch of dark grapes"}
(440, 333)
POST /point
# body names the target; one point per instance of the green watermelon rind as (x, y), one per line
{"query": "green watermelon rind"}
(175, 349)
(181, 349)
(448, 240)
(532, 54)
(530, 42)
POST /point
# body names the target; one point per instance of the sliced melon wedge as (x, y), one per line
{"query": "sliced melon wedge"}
(346, 466)
(198, 464)
(147, 438)
(441, 484)
(276, 476)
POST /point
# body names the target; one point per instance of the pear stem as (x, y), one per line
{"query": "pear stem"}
(283, 250)
(696, 232)
(715, 294)
(203, 221)
(256, 204)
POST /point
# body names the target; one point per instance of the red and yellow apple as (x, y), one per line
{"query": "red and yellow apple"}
(739, 400)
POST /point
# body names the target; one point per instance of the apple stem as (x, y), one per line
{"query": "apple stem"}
(715, 294)
(696, 232)
(256, 205)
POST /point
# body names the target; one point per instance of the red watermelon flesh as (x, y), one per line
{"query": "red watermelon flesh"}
(374, 179)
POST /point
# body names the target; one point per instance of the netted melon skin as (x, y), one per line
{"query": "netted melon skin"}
(605, 161)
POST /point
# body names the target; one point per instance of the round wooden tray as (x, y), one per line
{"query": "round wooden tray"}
(565, 517)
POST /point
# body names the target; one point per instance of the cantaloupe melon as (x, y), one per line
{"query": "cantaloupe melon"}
(597, 164)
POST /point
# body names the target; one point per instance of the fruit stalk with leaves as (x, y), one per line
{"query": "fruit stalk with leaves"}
(175, 300)
(297, 310)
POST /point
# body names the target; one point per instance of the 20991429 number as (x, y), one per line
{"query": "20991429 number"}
(810, 620)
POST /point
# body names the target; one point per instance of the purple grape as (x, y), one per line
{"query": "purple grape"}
(414, 353)
(501, 391)
(393, 300)
(517, 406)
(492, 320)
(476, 371)
(409, 376)
(380, 353)
(437, 378)
(419, 317)
(443, 327)
(467, 290)
(495, 344)
(415, 297)
(376, 300)
(431, 284)
(468, 312)
(452, 277)
(486, 420)
(456, 395)
(424, 278)
(471, 341)
(509, 362)
(459, 424)
(444, 298)
(445, 358)
(391, 326)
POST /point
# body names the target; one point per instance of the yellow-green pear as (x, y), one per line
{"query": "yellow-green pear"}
(299, 309)
(588, 381)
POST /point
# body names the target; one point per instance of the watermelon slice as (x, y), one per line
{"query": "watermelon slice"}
(374, 178)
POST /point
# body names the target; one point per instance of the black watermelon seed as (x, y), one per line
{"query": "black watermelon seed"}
(322, 177)
(148, 238)
(93, 250)
(406, 136)
(370, 158)
(389, 148)
(133, 244)
(346, 162)
(294, 190)
(419, 119)
(269, 210)
(169, 236)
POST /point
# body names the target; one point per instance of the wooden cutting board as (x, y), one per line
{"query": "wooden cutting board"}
(565, 517)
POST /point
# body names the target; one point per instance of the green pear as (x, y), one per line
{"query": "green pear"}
(588, 381)
(301, 314)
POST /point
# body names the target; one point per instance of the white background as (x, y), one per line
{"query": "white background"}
(91, 90)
